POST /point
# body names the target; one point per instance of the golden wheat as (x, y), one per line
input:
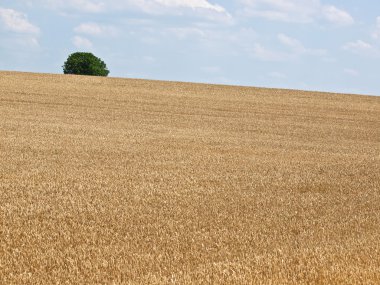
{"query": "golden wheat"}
(120, 181)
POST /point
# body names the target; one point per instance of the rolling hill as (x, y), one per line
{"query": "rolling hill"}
(123, 181)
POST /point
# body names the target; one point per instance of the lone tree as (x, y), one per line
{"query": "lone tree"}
(85, 63)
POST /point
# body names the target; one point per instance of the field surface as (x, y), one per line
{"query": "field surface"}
(120, 181)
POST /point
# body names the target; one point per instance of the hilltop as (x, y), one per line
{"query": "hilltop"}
(115, 181)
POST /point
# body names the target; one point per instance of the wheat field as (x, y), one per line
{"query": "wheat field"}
(122, 181)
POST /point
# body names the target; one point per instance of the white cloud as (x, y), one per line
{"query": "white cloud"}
(359, 45)
(94, 29)
(186, 32)
(266, 54)
(27, 43)
(228, 41)
(376, 33)
(88, 6)
(337, 16)
(294, 50)
(200, 7)
(283, 10)
(17, 22)
(297, 47)
(297, 11)
(362, 48)
(81, 42)
(294, 44)
(152, 5)
(193, 4)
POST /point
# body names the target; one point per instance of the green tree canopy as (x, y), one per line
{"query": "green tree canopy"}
(85, 63)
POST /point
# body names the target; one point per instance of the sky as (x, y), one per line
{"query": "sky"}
(324, 45)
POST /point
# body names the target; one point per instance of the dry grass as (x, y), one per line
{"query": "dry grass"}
(115, 181)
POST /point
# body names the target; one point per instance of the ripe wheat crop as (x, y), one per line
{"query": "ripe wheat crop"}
(121, 181)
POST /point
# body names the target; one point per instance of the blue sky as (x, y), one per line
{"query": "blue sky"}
(326, 45)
